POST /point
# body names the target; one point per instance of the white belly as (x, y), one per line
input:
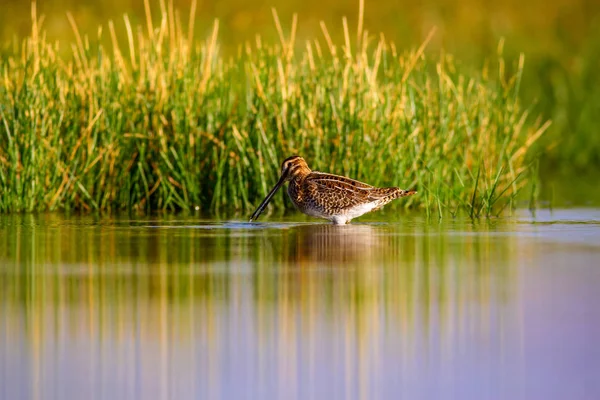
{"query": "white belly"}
(352, 213)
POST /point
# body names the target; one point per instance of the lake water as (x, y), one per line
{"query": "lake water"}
(392, 306)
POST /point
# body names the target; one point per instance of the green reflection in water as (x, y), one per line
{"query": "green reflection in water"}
(180, 308)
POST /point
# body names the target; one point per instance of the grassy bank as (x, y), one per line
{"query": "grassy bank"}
(159, 121)
(561, 40)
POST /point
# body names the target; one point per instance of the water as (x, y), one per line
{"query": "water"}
(390, 307)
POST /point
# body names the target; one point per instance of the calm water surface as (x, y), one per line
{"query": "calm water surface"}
(389, 307)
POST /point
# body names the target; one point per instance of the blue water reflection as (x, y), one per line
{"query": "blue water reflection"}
(185, 308)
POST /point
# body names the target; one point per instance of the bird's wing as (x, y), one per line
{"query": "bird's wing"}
(339, 192)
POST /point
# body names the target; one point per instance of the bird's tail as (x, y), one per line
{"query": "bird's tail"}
(404, 193)
(390, 193)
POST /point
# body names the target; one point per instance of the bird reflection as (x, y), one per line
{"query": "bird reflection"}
(333, 244)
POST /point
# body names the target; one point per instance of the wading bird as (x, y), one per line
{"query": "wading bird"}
(333, 197)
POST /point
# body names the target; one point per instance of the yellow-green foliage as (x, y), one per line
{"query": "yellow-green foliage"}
(161, 122)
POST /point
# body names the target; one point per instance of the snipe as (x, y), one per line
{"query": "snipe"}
(333, 197)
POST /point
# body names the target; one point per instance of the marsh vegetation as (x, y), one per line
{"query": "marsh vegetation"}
(159, 120)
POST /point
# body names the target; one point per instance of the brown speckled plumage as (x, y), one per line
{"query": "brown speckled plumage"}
(333, 197)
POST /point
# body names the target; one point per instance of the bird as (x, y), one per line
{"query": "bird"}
(328, 196)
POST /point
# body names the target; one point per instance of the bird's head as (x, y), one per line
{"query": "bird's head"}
(291, 168)
(294, 167)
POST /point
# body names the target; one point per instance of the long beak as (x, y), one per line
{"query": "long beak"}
(264, 203)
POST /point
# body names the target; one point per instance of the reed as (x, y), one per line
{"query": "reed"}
(160, 121)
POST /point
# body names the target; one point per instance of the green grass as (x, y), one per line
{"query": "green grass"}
(159, 121)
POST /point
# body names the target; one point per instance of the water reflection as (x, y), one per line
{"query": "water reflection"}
(174, 308)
